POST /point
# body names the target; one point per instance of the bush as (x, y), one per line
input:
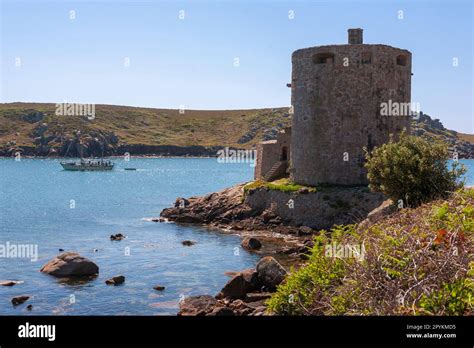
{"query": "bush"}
(415, 262)
(297, 295)
(413, 170)
(283, 185)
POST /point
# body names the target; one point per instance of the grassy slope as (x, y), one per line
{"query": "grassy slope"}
(416, 261)
(466, 137)
(145, 125)
(135, 125)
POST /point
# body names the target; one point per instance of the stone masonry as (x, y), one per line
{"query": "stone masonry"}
(273, 152)
(337, 93)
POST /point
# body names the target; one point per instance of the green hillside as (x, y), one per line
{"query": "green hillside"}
(35, 129)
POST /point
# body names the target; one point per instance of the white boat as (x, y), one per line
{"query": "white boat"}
(88, 165)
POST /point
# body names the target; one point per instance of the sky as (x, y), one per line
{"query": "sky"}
(222, 54)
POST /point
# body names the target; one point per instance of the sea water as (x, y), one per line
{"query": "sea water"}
(44, 208)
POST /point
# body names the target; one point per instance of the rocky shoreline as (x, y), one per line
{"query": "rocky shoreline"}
(94, 149)
(244, 294)
(269, 227)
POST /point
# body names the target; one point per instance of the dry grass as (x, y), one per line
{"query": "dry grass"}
(466, 137)
(146, 125)
(416, 261)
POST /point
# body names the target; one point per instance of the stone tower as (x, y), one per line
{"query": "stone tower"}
(337, 93)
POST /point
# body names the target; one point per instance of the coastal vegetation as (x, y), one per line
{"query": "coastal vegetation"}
(413, 170)
(22, 123)
(283, 185)
(35, 129)
(414, 262)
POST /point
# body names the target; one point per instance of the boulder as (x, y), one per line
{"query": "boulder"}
(117, 280)
(386, 208)
(241, 284)
(118, 236)
(250, 243)
(70, 264)
(159, 287)
(221, 311)
(197, 305)
(10, 282)
(19, 300)
(188, 242)
(305, 231)
(270, 273)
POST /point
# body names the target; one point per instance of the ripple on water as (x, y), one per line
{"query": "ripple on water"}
(105, 204)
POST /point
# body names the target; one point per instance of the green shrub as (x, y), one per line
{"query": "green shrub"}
(413, 169)
(296, 296)
(416, 261)
(284, 185)
(452, 299)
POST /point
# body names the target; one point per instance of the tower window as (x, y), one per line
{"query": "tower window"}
(366, 58)
(402, 60)
(323, 58)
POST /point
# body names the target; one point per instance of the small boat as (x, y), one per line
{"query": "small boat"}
(88, 165)
(85, 164)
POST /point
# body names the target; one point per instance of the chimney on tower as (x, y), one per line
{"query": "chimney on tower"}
(355, 36)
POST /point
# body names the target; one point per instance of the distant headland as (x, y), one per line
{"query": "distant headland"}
(34, 129)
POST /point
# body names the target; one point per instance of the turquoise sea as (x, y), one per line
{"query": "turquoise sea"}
(43, 205)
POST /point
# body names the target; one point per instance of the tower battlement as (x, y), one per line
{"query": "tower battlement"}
(337, 93)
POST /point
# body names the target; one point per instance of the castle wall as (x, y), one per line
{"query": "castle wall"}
(270, 152)
(337, 108)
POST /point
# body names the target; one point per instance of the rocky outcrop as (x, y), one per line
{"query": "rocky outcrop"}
(430, 128)
(250, 243)
(10, 282)
(117, 280)
(244, 294)
(117, 236)
(70, 264)
(197, 305)
(33, 116)
(298, 213)
(224, 206)
(19, 300)
(270, 273)
(240, 285)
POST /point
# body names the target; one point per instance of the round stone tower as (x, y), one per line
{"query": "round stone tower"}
(345, 98)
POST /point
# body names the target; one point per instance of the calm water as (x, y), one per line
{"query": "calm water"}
(35, 208)
(469, 176)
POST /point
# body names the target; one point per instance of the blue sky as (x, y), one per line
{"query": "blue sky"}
(190, 61)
